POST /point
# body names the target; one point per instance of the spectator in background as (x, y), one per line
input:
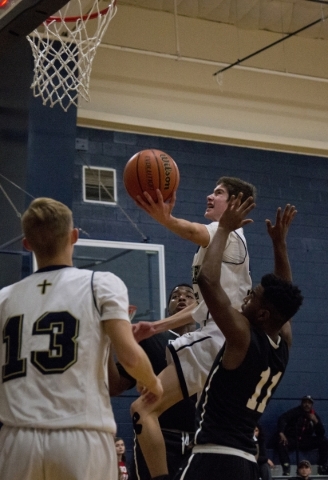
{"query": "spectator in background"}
(300, 428)
(123, 473)
(303, 470)
(264, 463)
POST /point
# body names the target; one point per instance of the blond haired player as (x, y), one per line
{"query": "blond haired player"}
(58, 325)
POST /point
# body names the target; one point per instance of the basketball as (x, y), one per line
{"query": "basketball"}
(148, 170)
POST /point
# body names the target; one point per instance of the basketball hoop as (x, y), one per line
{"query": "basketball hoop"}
(132, 311)
(63, 48)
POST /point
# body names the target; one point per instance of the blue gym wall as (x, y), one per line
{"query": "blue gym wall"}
(280, 178)
(14, 114)
(37, 147)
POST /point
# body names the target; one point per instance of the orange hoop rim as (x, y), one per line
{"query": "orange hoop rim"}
(81, 17)
(132, 311)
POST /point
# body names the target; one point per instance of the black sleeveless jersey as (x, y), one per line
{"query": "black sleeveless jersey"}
(232, 401)
(180, 416)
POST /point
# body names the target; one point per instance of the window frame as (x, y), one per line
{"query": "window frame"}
(84, 185)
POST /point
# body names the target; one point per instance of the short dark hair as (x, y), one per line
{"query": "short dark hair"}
(177, 286)
(285, 297)
(235, 185)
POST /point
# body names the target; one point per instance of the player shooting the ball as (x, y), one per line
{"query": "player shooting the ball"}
(191, 357)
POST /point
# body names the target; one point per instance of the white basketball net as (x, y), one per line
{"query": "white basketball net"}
(63, 52)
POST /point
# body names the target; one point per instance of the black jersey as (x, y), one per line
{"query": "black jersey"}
(180, 416)
(232, 401)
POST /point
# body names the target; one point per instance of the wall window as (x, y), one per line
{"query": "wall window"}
(99, 185)
(141, 267)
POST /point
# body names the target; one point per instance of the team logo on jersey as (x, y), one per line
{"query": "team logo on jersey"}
(44, 286)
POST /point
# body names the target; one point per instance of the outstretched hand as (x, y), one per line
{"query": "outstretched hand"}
(234, 215)
(283, 220)
(143, 330)
(151, 394)
(160, 210)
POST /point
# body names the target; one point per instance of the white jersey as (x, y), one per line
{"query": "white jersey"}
(193, 353)
(235, 276)
(54, 351)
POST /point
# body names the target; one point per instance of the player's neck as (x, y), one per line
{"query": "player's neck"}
(63, 257)
(274, 337)
(271, 331)
(56, 260)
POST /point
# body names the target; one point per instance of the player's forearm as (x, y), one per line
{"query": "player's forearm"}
(195, 232)
(137, 364)
(117, 383)
(209, 278)
(282, 266)
(177, 320)
(114, 376)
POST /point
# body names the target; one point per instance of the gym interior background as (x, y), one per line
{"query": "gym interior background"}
(268, 129)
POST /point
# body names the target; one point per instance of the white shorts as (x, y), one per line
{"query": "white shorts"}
(193, 355)
(41, 454)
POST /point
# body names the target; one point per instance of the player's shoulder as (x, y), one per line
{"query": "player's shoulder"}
(6, 290)
(104, 282)
(99, 277)
(213, 226)
(239, 233)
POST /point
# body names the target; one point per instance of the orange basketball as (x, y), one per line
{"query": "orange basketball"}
(148, 170)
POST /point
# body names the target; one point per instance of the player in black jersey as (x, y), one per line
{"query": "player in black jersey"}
(177, 422)
(253, 359)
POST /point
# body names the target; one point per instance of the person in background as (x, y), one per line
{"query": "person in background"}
(303, 470)
(301, 429)
(123, 473)
(264, 463)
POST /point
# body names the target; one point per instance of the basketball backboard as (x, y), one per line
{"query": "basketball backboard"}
(18, 18)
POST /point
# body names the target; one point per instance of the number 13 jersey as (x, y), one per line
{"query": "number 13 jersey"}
(54, 350)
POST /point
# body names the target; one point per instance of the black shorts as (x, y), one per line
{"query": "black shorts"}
(178, 450)
(217, 466)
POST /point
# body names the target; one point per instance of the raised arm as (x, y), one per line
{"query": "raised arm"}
(162, 212)
(278, 234)
(282, 269)
(234, 326)
(143, 329)
(132, 356)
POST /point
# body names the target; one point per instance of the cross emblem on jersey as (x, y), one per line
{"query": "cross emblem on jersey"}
(44, 285)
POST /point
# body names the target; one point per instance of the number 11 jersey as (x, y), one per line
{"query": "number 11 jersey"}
(232, 401)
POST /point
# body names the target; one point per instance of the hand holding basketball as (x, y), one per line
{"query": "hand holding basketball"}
(148, 171)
